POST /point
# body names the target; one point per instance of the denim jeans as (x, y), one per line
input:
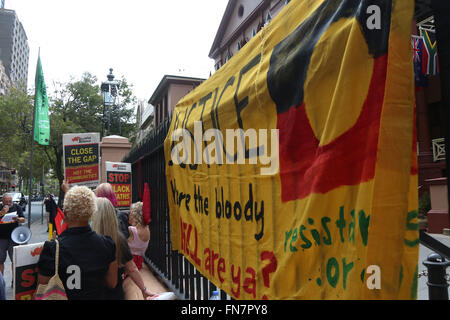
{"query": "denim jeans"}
(2, 288)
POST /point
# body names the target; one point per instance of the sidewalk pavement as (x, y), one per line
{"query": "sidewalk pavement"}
(39, 234)
(422, 293)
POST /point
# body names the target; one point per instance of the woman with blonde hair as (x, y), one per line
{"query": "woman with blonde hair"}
(92, 255)
(104, 221)
(139, 234)
(106, 190)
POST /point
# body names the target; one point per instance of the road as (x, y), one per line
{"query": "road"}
(36, 212)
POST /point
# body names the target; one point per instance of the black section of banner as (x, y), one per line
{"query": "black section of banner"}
(81, 155)
(290, 58)
(26, 281)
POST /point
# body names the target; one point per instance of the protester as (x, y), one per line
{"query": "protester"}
(106, 190)
(90, 256)
(51, 211)
(139, 234)
(6, 228)
(104, 221)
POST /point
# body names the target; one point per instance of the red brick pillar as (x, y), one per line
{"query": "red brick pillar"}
(113, 148)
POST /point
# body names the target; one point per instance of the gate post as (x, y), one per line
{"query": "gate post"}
(437, 283)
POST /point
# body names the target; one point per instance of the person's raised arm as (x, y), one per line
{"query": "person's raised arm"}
(65, 186)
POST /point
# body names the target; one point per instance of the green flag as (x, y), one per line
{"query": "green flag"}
(42, 121)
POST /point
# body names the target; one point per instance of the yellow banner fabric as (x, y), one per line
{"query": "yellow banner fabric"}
(291, 171)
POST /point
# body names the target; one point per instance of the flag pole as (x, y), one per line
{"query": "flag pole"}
(32, 151)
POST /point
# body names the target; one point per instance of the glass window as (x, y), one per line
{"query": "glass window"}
(268, 18)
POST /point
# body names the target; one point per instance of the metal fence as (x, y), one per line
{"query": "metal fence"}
(148, 165)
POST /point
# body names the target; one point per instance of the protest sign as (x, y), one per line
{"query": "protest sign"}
(25, 259)
(81, 158)
(118, 174)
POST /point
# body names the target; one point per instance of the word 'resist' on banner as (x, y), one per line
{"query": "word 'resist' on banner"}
(118, 174)
(26, 258)
(292, 171)
(81, 158)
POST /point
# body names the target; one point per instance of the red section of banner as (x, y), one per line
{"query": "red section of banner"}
(350, 159)
(123, 194)
(82, 174)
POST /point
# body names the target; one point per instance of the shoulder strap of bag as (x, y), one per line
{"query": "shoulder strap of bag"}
(56, 257)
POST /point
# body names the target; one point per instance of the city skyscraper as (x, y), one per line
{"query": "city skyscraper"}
(14, 49)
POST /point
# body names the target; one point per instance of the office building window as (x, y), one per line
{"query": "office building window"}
(268, 18)
(241, 11)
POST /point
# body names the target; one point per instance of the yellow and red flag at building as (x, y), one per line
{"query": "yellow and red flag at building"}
(292, 171)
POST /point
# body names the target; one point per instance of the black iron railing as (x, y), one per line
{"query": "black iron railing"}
(148, 166)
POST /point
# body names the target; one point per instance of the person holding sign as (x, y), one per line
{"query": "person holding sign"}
(7, 225)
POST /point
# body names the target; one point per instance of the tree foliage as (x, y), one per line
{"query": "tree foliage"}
(16, 114)
(75, 107)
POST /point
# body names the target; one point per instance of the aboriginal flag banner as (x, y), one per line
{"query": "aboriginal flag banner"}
(292, 171)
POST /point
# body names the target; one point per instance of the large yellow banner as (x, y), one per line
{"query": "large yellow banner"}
(291, 171)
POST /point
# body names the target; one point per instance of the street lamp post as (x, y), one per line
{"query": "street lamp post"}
(110, 90)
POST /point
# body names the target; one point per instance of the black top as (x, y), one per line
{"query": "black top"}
(84, 248)
(48, 204)
(123, 223)
(7, 228)
(52, 208)
(117, 293)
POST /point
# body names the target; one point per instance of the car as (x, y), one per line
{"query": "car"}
(19, 199)
(37, 197)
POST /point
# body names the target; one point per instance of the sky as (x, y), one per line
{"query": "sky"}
(141, 40)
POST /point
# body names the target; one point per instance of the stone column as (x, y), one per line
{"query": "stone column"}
(113, 148)
(438, 218)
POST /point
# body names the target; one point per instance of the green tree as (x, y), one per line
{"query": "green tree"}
(16, 114)
(77, 107)
(15, 126)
